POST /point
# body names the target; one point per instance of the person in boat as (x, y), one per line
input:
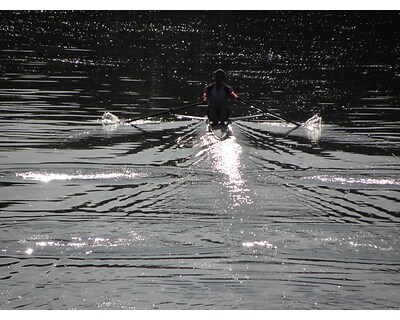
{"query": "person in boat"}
(217, 94)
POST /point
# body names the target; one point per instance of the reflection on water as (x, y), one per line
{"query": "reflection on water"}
(314, 133)
(47, 176)
(265, 244)
(226, 157)
(351, 180)
(90, 243)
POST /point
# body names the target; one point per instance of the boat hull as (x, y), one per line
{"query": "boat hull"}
(220, 131)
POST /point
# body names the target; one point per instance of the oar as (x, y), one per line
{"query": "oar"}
(170, 110)
(268, 112)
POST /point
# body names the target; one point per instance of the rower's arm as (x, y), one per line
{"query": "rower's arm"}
(230, 92)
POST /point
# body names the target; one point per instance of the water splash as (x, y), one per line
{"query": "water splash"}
(314, 128)
(314, 122)
(109, 119)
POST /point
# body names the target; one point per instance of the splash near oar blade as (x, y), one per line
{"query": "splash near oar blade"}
(109, 118)
(314, 122)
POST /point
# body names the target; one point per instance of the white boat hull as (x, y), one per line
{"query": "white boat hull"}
(220, 131)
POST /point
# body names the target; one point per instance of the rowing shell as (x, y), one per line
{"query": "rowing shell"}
(220, 131)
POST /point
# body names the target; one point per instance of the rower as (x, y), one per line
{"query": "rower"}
(217, 94)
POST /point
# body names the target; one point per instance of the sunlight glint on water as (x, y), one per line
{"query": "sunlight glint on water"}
(101, 213)
(47, 176)
(226, 157)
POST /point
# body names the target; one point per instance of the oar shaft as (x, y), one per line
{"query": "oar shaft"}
(271, 113)
(170, 110)
(251, 106)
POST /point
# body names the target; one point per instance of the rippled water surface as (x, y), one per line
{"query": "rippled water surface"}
(159, 214)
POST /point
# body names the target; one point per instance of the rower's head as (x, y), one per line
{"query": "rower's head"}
(219, 76)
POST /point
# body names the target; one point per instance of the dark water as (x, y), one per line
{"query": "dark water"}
(161, 216)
